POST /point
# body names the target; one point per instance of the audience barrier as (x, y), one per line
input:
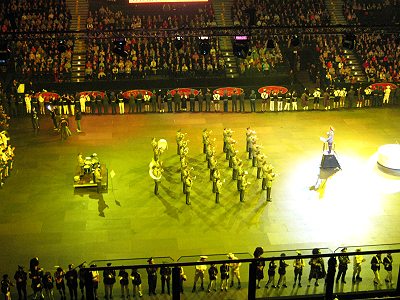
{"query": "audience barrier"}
(328, 289)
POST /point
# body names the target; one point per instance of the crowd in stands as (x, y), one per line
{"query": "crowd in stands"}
(146, 56)
(169, 17)
(34, 16)
(263, 56)
(261, 59)
(372, 11)
(36, 54)
(332, 59)
(43, 60)
(279, 13)
(152, 56)
(380, 56)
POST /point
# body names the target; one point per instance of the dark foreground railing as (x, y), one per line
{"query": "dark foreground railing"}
(328, 289)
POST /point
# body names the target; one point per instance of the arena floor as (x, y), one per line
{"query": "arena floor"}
(41, 214)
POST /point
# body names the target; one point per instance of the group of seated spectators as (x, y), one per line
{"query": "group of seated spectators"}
(34, 16)
(333, 62)
(279, 13)
(371, 11)
(264, 56)
(107, 19)
(143, 57)
(146, 56)
(380, 56)
(261, 59)
(36, 54)
(43, 60)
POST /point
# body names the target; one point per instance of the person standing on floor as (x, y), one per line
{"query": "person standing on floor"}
(82, 279)
(235, 270)
(113, 103)
(388, 265)
(234, 100)
(199, 274)
(165, 274)
(260, 264)
(358, 260)
(105, 103)
(121, 104)
(136, 282)
(48, 285)
(78, 118)
(282, 271)
(188, 188)
(253, 98)
(212, 275)
(59, 276)
(344, 261)
(124, 282)
(298, 266)
(21, 278)
(151, 277)
(241, 102)
(72, 282)
(35, 120)
(376, 262)
(108, 280)
(224, 270)
(271, 274)
(131, 103)
(225, 99)
(6, 285)
(264, 100)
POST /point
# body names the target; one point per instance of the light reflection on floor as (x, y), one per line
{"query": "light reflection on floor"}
(341, 210)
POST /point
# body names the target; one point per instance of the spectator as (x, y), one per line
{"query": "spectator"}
(358, 260)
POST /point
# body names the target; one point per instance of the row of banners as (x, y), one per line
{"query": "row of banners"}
(187, 91)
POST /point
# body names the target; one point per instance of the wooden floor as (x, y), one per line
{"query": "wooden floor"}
(41, 214)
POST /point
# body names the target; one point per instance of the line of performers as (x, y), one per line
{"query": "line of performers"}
(156, 165)
(259, 160)
(6, 157)
(186, 176)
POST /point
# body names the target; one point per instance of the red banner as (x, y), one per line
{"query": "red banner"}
(383, 85)
(94, 93)
(48, 95)
(272, 89)
(184, 91)
(127, 94)
(229, 91)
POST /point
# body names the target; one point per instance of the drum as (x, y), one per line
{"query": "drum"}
(162, 145)
(87, 169)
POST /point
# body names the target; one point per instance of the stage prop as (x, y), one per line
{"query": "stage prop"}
(273, 88)
(382, 86)
(93, 93)
(84, 173)
(127, 94)
(389, 158)
(48, 95)
(228, 90)
(184, 91)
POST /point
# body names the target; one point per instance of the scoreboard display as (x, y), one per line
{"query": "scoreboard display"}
(164, 1)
